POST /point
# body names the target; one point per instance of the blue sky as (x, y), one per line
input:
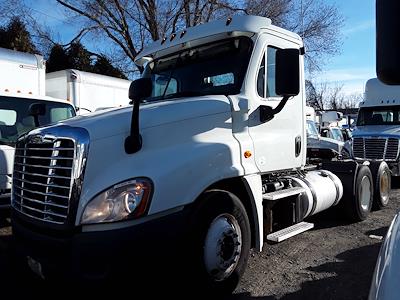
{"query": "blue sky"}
(356, 62)
(351, 68)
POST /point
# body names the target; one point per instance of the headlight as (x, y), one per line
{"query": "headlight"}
(125, 200)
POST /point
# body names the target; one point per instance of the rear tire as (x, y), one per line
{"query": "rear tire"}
(358, 206)
(220, 242)
(382, 183)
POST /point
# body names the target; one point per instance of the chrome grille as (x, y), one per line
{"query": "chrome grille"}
(375, 148)
(42, 179)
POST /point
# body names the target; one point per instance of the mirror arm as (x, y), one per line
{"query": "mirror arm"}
(133, 142)
(281, 105)
(267, 113)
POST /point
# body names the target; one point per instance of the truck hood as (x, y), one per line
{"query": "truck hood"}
(324, 143)
(103, 124)
(377, 130)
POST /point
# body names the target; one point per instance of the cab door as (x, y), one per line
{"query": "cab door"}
(280, 143)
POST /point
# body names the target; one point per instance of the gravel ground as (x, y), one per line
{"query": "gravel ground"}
(335, 260)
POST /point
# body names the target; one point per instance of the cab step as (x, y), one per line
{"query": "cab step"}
(290, 231)
(283, 193)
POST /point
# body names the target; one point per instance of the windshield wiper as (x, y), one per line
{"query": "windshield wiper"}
(170, 74)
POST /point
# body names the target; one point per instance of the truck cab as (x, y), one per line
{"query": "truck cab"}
(23, 106)
(212, 153)
(16, 119)
(377, 133)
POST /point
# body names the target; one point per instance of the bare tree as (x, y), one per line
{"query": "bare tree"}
(317, 22)
(130, 25)
(353, 100)
(322, 96)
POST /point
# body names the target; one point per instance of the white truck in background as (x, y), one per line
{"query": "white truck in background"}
(23, 106)
(329, 125)
(319, 147)
(88, 92)
(209, 162)
(377, 133)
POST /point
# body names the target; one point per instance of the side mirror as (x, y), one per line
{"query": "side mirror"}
(287, 74)
(140, 89)
(387, 42)
(287, 81)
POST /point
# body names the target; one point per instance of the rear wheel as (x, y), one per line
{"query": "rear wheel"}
(358, 206)
(220, 242)
(382, 183)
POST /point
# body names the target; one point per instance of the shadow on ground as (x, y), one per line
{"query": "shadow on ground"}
(347, 281)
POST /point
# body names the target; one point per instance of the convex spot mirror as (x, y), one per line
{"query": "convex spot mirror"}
(140, 89)
(287, 74)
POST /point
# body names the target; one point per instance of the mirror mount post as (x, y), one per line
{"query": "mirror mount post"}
(138, 90)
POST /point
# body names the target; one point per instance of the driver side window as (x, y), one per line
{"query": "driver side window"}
(266, 74)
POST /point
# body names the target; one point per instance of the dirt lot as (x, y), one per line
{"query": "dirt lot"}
(333, 261)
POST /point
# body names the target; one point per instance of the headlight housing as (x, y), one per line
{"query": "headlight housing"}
(127, 200)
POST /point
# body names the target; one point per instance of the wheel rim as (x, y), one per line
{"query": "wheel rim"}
(384, 187)
(365, 193)
(222, 247)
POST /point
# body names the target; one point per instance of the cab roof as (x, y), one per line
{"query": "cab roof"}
(379, 94)
(208, 32)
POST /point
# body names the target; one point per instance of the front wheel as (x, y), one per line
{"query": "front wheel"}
(220, 241)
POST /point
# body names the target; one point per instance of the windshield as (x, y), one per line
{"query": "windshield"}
(382, 115)
(311, 129)
(217, 68)
(15, 119)
(337, 134)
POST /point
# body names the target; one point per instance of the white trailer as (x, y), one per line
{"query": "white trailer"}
(22, 84)
(88, 92)
(209, 163)
(22, 73)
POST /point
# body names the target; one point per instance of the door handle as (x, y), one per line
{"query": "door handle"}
(297, 143)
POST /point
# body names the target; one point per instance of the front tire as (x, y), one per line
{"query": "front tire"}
(220, 242)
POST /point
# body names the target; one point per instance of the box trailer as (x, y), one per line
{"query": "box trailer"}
(88, 92)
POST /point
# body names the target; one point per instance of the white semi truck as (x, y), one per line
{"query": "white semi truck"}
(23, 106)
(88, 92)
(212, 158)
(377, 134)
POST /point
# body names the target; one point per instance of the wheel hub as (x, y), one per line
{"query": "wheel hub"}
(222, 246)
(365, 193)
(384, 187)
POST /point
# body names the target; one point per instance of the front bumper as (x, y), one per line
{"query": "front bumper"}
(83, 256)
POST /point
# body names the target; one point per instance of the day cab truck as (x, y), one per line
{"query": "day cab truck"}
(88, 92)
(209, 162)
(23, 106)
(377, 134)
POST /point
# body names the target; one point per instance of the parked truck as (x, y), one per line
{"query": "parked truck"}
(212, 157)
(23, 106)
(376, 136)
(88, 92)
